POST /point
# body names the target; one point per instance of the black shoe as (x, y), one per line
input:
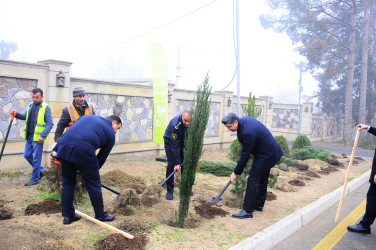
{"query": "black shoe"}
(359, 228)
(259, 209)
(41, 175)
(69, 220)
(31, 182)
(169, 196)
(242, 215)
(106, 217)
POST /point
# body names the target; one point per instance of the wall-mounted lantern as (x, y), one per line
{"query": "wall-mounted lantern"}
(60, 79)
(169, 95)
(270, 104)
(229, 100)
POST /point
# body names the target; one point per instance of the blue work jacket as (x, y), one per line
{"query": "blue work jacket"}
(79, 143)
(175, 135)
(256, 139)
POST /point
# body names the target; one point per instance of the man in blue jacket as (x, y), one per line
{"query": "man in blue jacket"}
(364, 225)
(257, 141)
(77, 152)
(174, 146)
(38, 125)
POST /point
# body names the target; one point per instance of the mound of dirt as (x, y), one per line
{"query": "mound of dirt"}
(270, 196)
(6, 213)
(124, 202)
(209, 210)
(297, 182)
(151, 195)
(328, 170)
(312, 174)
(118, 242)
(121, 179)
(48, 206)
(133, 226)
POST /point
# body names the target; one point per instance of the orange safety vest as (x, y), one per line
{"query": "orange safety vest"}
(74, 116)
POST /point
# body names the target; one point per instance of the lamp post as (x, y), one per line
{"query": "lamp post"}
(60, 79)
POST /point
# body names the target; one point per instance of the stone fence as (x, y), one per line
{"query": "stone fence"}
(133, 102)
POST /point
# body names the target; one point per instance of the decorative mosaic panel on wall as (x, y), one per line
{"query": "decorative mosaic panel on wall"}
(340, 125)
(212, 128)
(260, 117)
(15, 93)
(329, 127)
(316, 127)
(136, 114)
(285, 118)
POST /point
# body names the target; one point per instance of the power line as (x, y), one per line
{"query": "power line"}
(146, 33)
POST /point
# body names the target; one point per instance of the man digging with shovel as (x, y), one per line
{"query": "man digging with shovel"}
(256, 140)
(174, 145)
(77, 152)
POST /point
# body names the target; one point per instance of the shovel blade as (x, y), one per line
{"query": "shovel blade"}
(214, 200)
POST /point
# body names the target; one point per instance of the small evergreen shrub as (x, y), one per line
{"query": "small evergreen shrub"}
(272, 181)
(289, 161)
(309, 152)
(216, 168)
(301, 141)
(283, 144)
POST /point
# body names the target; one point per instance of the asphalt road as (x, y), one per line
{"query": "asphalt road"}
(316, 232)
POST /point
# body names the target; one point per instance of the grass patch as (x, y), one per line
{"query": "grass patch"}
(93, 236)
(217, 168)
(11, 174)
(49, 195)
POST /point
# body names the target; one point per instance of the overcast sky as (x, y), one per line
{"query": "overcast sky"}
(94, 34)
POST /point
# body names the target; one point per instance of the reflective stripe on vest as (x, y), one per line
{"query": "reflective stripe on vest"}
(74, 116)
(41, 124)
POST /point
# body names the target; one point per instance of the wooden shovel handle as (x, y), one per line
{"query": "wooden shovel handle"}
(102, 224)
(347, 175)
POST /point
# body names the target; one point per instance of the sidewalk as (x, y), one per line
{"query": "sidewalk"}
(275, 234)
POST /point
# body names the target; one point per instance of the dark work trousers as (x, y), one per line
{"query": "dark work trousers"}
(170, 166)
(90, 175)
(370, 215)
(255, 194)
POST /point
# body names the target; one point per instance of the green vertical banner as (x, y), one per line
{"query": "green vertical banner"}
(160, 91)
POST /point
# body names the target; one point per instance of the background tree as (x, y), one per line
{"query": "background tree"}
(7, 48)
(329, 34)
(193, 145)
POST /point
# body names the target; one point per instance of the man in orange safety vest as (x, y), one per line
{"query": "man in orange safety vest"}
(73, 111)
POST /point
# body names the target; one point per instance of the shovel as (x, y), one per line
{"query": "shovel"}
(112, 190)
(6, 136)
(163, 182)
(218, 199)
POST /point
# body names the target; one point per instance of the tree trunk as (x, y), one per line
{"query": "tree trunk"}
(349, 126)
(364, 68)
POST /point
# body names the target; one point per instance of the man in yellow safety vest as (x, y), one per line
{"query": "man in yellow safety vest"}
(73, 111)
(38, 125)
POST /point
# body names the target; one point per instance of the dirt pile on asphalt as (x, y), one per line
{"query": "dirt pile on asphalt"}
(48, 206)
(118, 242)
(121, 179)
(209, 210)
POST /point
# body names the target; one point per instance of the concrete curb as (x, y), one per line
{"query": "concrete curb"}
(276, 233)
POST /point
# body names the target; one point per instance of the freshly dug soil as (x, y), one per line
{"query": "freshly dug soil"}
(119, 242)
(48, 206)
(270, 196)
(120, 179)
(210, 210)
(296, 182)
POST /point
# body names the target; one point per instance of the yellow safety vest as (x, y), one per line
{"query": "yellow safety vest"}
(74, 116)
(41, 124)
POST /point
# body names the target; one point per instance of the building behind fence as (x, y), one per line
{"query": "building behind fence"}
(133, 102)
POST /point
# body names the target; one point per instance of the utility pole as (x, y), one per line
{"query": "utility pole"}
(300, 92)
(178, 69)
(237, 58)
